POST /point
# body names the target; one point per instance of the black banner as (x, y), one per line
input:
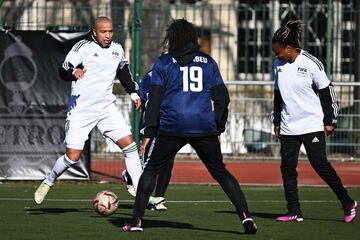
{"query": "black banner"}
(33, 102)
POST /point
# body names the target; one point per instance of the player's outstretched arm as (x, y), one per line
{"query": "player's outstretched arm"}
(276, 113)
(156, 94)
(66, 72)
(125, 78)
(221, 99)
(329, 105)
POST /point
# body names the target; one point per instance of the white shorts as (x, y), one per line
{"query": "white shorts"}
(110, 122)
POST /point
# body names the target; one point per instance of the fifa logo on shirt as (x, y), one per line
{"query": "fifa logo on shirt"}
(302, 71)
(115, 54)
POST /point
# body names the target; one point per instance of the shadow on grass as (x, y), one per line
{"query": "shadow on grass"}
(126, 206)
(266, 215)
(67, 210)
(275, 215)
(151, 223)
(38, 211)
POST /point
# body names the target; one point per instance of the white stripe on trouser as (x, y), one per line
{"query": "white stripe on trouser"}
(150, 151)
(133, 164)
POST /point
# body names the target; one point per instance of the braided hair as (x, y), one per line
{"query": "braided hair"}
(290, 34)
(179, 33)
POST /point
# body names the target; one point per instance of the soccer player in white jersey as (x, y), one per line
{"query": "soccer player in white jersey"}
(92, 65)
(305, 112)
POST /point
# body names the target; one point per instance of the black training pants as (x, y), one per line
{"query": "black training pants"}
(161, 149)
(163, 178)
(315, 148)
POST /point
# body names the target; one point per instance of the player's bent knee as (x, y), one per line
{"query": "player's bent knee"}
(130, 146)
(118, 135)
(125, 142)
(73, 155)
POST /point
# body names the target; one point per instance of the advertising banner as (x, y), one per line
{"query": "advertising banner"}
(33, 103)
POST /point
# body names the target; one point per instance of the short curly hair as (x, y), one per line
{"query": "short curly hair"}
(179, 33)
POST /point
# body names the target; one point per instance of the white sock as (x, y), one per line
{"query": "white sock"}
(61, 165)
(133, 164)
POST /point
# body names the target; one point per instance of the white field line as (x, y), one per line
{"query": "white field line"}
(171, 201)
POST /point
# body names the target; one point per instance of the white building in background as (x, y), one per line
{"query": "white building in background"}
(237, 34)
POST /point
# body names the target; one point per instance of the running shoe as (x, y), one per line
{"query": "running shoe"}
(350, 214)
(290, 218)
(41, 192)
(134, 226)
(249, 226)
(158, 204)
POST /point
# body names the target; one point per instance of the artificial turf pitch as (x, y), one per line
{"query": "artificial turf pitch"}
(194, 212)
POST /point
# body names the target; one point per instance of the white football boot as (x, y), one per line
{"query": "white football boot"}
(41, 192)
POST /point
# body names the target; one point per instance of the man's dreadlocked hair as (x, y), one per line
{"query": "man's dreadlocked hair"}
(290, 34)
(179, 33)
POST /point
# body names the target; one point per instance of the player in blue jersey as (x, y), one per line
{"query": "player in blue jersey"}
(163, 179)
(188, 104)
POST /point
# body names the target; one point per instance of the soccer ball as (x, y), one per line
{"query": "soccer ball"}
(105, 203)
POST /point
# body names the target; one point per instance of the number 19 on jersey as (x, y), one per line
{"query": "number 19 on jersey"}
(192, 78)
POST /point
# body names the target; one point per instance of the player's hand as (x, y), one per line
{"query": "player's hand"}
(277, 131)
(135, 97)
(328, 129)
(137, 103)
(144, 143)
(79, 73)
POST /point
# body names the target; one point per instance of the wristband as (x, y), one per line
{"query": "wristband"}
(134, 96)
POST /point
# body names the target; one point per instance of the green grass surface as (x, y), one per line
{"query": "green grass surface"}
(194, 212)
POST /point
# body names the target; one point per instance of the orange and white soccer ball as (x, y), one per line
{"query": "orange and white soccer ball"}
(105, 203)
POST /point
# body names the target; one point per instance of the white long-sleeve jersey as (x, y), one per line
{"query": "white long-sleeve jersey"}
(297, 83)
(93, 92)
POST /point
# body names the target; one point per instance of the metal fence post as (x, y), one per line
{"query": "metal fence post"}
(136, 61)
(1, 2)
(356, 123)
(329, 39)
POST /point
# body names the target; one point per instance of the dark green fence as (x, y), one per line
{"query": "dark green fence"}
(238, 36)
